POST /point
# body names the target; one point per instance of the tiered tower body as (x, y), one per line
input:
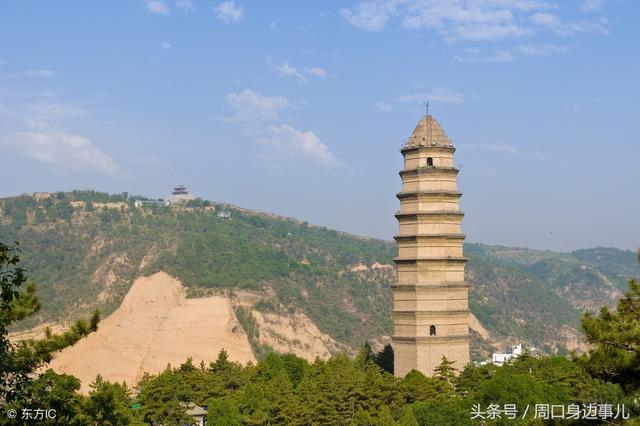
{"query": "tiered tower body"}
(430, 298)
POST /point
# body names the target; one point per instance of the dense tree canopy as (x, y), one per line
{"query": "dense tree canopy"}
(16, 303)
(21, 384)
(284, 389)
(342, 390)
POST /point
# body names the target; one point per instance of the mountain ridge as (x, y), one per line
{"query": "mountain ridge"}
(85, 249)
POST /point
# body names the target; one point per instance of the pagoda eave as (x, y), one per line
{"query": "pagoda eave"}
(432, 147)
(413, 313)
(399, 215)
(409, 260)
(431, 286)
(464, 338)
(429, 170)
(415, 194)
(414, 237)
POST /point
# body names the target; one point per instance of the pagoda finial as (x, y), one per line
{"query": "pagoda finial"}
(426, 105)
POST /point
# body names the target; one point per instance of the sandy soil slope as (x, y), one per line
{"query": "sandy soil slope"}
(295, 334)
(475, 325)
(155, 325)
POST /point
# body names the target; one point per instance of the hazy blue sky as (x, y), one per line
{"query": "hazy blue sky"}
(299, 107)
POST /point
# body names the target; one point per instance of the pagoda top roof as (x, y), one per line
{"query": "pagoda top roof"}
(180, 189)
(428, 132)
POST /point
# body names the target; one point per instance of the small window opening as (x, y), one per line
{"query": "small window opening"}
(432, 330)
(430, 162)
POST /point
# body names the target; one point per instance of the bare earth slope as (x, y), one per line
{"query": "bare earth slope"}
(155, 325)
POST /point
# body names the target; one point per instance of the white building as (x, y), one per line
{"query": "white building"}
(512, 353)
(143, 203)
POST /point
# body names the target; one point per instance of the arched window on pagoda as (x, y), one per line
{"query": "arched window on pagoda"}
(432, 330)
(429, 162)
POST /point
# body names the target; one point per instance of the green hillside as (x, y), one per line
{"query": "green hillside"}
(84, 249)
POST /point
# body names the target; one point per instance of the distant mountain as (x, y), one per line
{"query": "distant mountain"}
(84, 249)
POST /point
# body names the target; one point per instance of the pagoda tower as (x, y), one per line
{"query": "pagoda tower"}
(430, 297)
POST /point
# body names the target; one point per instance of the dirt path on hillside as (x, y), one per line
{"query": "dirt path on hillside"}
(155, 325)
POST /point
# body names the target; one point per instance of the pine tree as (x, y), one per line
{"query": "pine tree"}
(19, 362)
(472, 376)
(415, 387)
(272, 378)
(60, 393)
(407, 418)
(14, 306)
(365, 354)
(615, 337)
(162, 397)
(446, 374)
(223, 412)
(384, 358)
(107, 404)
